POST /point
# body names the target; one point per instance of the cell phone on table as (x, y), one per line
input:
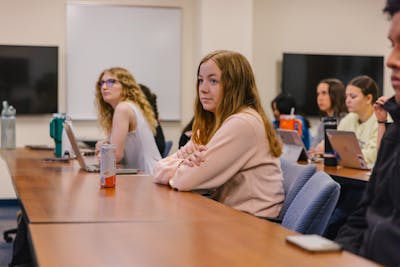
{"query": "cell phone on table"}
(313, 243)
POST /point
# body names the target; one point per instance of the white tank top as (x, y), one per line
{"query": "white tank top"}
(140, 150)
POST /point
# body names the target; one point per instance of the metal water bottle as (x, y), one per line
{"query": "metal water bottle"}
(8, 126)
(329, 154)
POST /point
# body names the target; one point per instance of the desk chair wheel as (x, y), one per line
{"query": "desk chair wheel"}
(7, 235)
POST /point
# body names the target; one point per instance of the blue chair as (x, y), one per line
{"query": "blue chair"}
(167, 149)
(8, 216)
(311, 209)
(294, 177)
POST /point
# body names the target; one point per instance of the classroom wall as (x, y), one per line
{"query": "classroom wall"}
(260, 29)
(43, 22)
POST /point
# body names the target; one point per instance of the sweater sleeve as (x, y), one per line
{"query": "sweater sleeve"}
(369, 149)
(165, 169)
(227, 153)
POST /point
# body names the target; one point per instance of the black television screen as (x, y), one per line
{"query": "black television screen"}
(301, 74)
(29, 78)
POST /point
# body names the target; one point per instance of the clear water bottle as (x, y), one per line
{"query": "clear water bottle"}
(8, 126)
(66, 146)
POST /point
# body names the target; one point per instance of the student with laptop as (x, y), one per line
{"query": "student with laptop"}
(331, 103)
(234, 150)
(283, 105)
(127, 118)
(361, 94)
(82, 161)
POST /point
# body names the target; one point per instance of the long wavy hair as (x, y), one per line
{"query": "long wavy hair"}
(239, 91)
(130, 92)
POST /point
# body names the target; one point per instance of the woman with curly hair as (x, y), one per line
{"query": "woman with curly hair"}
(234, 151)
(127, 118)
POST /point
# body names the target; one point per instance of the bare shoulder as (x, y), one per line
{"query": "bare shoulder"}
(123, 106)
(124, 109)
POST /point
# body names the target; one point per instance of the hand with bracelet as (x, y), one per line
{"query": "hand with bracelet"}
(381, 115)
(380, 112)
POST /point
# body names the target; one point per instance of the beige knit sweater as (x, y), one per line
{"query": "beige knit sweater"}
(238, 168)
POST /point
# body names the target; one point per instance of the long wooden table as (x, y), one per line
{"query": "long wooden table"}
(73, 222)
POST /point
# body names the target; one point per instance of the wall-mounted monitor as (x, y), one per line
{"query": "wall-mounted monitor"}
(301, 74)
(29, 78)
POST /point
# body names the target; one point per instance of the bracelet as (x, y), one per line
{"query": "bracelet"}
(382, 122)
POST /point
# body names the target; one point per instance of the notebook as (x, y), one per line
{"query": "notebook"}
(293, 147)
(82, 162)
(347, 148)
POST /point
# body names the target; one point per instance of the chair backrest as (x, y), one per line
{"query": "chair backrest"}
(167, 149)
(311, 209)
(294, 177)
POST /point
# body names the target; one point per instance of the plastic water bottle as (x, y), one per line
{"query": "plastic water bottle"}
(66, 146)
(8, 126)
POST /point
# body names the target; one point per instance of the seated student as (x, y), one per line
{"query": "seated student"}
(234, 151)
(283, 105)
(373, 229)
(331, 103)
(128, 119)
(186, 133)
(159, 136)
(361, 94)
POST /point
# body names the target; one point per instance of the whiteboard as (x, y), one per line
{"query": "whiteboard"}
(144, 40)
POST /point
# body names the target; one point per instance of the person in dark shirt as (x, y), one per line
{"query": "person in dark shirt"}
(159, 136)
(186, 133)
(373, 229)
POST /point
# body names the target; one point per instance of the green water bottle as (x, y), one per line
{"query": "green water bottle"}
(56, 130)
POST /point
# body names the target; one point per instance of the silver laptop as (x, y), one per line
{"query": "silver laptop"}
(82, 162)
(293, 147)
(347, 148)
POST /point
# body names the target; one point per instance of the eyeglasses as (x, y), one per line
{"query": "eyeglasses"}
(109, 82)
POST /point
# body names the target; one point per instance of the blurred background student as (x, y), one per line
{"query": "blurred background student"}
(283, 104)
(361, 94)
(234, 150)
(127, 118)
(331, 103)
(159, 135)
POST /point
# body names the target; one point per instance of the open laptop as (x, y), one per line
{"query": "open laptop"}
(293, 147)
(347, 147)
(84, 165)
